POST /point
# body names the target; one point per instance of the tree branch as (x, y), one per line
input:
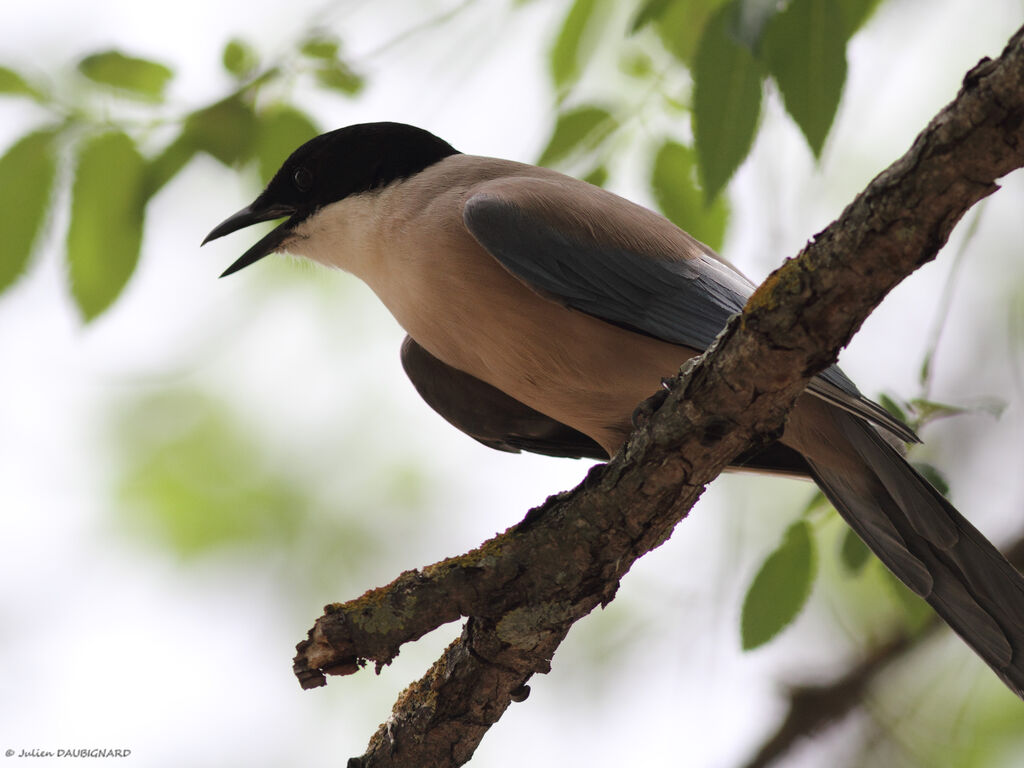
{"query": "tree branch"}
(525, 588)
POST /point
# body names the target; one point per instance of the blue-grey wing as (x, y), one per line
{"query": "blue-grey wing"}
(599, 254)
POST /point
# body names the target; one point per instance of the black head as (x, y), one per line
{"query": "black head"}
(334, 165)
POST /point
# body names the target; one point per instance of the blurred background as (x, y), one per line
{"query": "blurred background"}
(190, 468)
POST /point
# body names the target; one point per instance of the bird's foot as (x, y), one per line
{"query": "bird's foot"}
(643, 412)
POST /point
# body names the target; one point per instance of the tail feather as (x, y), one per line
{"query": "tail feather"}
(929, 546)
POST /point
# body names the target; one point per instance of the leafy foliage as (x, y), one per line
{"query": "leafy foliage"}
(681, 25)
(803, 47)
(729, 48)
(106, 220)
(140, 78)
(239, 58)
(576, 129)
(26, 180)
(191, 481)
(13, 84)
(780, 588)
(574, 44)
(226, 130)
(279, 130)
(853, 553)
(113, 179)
(674, 183)
(726, 101)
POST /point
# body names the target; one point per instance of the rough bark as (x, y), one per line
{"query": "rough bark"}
(523, 589)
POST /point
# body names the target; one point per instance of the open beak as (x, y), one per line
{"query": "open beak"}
(253, 214)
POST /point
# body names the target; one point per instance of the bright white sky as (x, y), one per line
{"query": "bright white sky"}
(107, 642)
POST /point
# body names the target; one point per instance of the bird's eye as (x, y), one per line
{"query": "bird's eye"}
(303, 179)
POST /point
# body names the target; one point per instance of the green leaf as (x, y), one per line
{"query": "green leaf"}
(573, 45)
(281, 130)
(681, 26)
(726, 102)
(13, 83)
(166, 165)
(136, 77)
(649, 11)
(817, 501)
(338, 76)
(239, 58)
(780, 588)
(324, 48)
(896, 409)
(226, 130)
(636, 64)
(107, 209)
(752, 17)
(853, 553)
(916, 612)
(27, 171)
(674, 183)
(578, 128)
(933, 475)
(930, 410)
(804, 48)
(598, 177)
(855, 13)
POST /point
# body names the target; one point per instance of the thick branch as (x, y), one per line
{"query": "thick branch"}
(526, 587)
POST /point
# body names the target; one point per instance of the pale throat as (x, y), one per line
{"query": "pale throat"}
(344, 235)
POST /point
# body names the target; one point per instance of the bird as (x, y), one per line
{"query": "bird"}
(540, 310)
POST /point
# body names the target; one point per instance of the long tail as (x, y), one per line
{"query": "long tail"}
(927, 544)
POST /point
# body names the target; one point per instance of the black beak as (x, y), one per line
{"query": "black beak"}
(253, 214)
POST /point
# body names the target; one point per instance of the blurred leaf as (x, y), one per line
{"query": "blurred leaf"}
(27, 171)
(598, 177)
(338, 76)
(855, 13)
(805, 50)
(896, 409)
(167, 164)
(577, 128)
(726, 102)
(194, 482)
(674, 183)
(916, 612)
(993, 406)
(752, 16)
(239, 58)
(226, 130)
(681, 25)
(929, 410)
(853, 553)
(636, 64)
(932, 474)
(649, 11)
(281, 130)
(137, 77)
(13, 83)
(572, 48)
(780, 588)
(818, 501)
(107, 208)
(324, 48)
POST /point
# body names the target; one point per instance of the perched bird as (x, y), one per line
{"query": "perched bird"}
(540, 310)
